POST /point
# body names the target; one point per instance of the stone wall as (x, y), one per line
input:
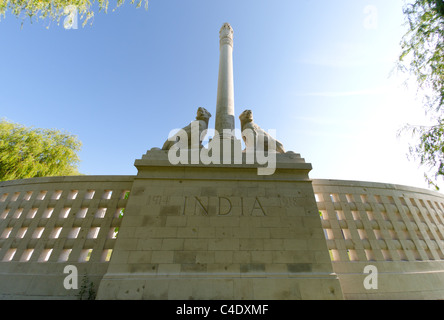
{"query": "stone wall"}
(49, 223)
(397, 229)
(220, 232)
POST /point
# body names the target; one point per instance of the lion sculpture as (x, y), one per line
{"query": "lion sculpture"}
(259, 135)
(203, 116)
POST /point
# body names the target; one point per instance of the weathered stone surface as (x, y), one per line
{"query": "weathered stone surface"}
(264, 237)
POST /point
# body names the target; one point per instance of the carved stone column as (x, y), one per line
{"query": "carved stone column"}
(225, 86)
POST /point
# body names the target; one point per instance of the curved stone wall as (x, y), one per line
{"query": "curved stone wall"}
(397, 229)
(49, 223)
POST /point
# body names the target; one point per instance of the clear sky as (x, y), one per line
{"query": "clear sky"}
(318, 72)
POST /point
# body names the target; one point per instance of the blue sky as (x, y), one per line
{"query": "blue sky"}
(318, 72)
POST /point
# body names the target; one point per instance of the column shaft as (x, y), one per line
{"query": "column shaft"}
(225, 86)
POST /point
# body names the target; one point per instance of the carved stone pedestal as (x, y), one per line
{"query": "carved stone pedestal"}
(220, 232)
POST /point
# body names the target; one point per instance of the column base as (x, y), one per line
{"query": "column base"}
(224, 287)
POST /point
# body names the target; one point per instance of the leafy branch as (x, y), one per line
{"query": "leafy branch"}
(422, 56)
(56, 9)
(429, 151)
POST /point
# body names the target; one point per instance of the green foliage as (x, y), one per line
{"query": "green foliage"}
(28, 152)
(423, 57)
(423, 46)
(430, 150)
(56, 9)
(87, 291)
(121, 213)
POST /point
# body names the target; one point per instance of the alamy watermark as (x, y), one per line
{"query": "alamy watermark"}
(86, 289)
(71, 20)
(71, 281)
(371, 18)
(371, 281)
(260, 148)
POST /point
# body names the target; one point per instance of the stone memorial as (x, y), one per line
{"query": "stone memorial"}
(221, 229)
(212, 221)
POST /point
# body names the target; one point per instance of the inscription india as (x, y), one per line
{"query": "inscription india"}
(219, 205)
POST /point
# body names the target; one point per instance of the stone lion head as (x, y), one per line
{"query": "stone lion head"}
(247, 115)
(203, 113)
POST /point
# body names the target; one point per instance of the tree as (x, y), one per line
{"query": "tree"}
(56, 9)
(28, 152)
(423, 57)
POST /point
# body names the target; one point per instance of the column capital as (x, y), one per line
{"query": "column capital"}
(226, 34)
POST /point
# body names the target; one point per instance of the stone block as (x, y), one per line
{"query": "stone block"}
(212, 235)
